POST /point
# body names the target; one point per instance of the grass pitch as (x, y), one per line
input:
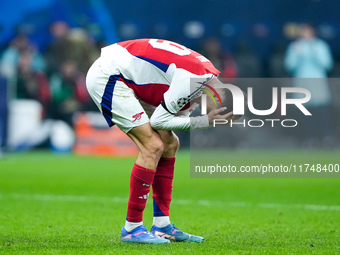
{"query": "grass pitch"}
(53, 204)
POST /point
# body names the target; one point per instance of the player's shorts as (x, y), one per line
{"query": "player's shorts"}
(116, 101)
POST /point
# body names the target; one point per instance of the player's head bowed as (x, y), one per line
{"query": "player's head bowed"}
(220, 97)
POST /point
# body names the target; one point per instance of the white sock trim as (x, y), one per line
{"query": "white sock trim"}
(132, 225)
(161, 221)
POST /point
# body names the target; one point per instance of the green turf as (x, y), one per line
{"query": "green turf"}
(54, 204)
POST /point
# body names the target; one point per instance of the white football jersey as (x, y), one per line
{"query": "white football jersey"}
(159, 72)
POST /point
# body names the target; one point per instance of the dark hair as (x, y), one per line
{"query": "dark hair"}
(227, 99)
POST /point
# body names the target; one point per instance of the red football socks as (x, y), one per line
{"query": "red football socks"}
(162, 186)
(140, 182)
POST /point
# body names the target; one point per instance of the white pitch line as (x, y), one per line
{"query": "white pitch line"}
(63, 198)
(207, 203)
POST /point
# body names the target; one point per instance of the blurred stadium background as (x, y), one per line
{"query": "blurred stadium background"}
(67, 204)
(47, 46)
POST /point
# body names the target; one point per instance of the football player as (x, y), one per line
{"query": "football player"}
(143, 87)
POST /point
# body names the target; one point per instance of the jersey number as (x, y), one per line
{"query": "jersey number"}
(169, 46)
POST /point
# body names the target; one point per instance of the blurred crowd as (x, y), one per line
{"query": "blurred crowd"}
(55, 76)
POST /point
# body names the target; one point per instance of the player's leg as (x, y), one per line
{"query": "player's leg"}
(162, 192)
(162, 183)
(119, 106)
(149, 143)
(150, 150)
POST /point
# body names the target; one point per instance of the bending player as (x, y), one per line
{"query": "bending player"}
(142, 86)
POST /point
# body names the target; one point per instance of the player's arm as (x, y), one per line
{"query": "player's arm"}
(178, 95)
(162, 119)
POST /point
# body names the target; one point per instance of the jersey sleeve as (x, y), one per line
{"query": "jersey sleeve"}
(183, 89)
(161, 119)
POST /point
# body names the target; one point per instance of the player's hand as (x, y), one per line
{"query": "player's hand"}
(216, 114)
